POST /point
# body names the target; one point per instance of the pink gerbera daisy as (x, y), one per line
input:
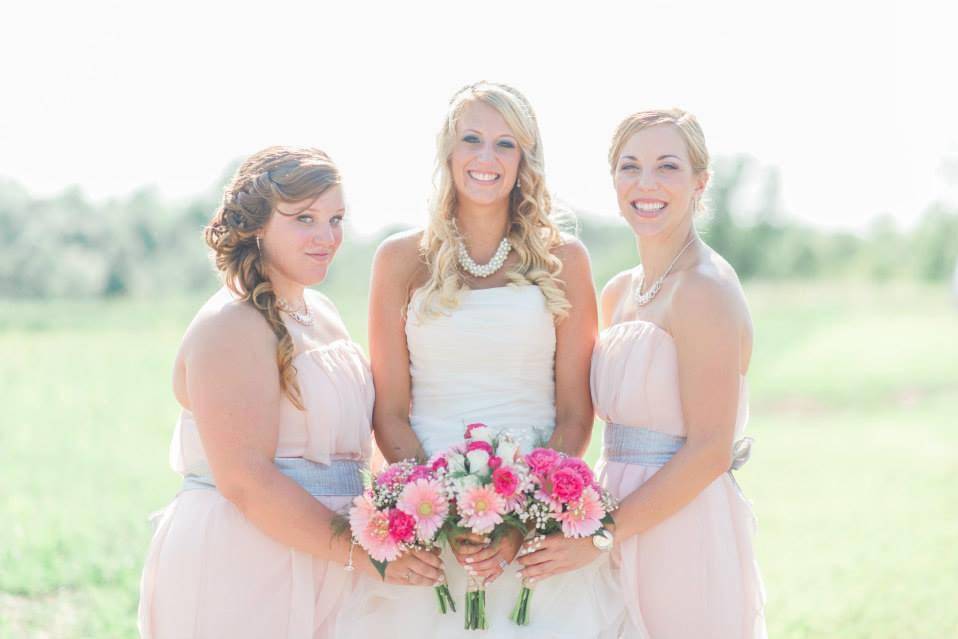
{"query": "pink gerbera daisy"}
(370, 527)
(584, 516)
(481, 509)
(426, 502)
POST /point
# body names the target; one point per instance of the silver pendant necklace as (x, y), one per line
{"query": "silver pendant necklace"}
(304, 316)
(484, 270)
(644, 298)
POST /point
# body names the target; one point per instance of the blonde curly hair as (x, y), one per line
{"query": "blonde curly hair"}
(276, 174)
(532, 230)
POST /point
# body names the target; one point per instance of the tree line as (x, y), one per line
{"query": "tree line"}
(70, 246)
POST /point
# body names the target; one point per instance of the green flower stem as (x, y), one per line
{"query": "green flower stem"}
(520, 614)
(444, 597)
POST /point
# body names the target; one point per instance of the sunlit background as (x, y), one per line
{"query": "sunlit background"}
(833, 131)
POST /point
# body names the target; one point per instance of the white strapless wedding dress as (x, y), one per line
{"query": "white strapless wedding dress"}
(491, 360)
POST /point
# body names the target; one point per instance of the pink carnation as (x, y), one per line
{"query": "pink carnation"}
(402, 526)
(370, 527)
(479, 445)
(481, 509)
(581, 468)
(472, 427)
(390, 475)
(542, 460)
(505, 481)
(495, 462)
(419, 472)
(583, 517)
(567, 486)
(439, 462)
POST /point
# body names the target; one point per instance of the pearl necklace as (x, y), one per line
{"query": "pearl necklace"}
(484, 270)
(644, 298)
(304, 317)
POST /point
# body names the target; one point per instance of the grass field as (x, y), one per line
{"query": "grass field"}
(854, 476)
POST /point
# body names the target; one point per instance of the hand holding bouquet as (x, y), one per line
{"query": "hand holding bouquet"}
(563, 496)
(486, 477)
(403, 507)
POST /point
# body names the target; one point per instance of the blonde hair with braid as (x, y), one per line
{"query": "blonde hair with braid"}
(276, 174)
(532, 230)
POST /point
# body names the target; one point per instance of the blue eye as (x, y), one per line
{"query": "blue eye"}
(471, 139)
(336, 221)
(671, 167)
(628, 167)
(507, 144)
(305, 219)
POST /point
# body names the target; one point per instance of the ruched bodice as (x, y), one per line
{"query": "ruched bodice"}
(492, 359)
(337, 391)
(635, 380)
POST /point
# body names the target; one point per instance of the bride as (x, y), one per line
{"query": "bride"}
(488, 315)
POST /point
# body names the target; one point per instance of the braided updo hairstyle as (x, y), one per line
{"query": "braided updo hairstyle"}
(276, 174)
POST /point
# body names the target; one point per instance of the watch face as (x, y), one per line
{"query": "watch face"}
(602, 540)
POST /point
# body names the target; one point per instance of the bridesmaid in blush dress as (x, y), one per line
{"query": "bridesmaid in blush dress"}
(275, 426)
(668, 378)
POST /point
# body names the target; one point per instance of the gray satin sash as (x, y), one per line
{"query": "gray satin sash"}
(646, 447)
(341, 478)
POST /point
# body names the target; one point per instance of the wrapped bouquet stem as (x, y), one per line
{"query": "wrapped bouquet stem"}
(476, 604)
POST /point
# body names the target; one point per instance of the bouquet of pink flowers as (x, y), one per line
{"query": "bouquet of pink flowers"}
(563, 496)
(486, 477)
(403, 507)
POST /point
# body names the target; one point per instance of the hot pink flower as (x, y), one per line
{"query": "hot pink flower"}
(481, 509)
(542, 460)
(505, 481)
(583, 517)
(472, 427)
(477, 445)
(439, 462)
(370, 527)
(390, 475)
(426, 502)
(419, 472)
(402, 527)
(581, 468)
(495, 462)
(567, 486)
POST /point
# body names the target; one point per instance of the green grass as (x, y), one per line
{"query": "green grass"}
(854, 477)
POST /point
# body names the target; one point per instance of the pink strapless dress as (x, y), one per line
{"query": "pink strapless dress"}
(210, 573)
(694, 574)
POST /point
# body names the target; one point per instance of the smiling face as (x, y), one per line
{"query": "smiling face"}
(301, 238)
(655, 182)
(484, 161)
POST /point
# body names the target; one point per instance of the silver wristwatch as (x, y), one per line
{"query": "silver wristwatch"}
(602, 539)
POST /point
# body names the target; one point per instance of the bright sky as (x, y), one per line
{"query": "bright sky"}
(855, 103)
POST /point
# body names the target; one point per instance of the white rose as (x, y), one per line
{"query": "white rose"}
(478, 462)
(482, 434)
(507, 450)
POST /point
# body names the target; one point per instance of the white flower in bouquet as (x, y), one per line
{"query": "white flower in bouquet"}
(478, 462)
(482, 434)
